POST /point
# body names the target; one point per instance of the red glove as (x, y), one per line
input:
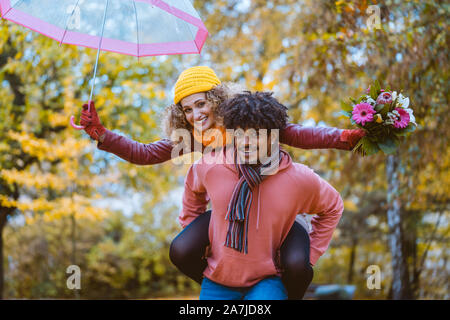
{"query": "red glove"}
(91, 122)
(352, 136)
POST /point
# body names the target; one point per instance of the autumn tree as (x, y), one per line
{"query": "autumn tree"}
(49, 169)
(315, 53)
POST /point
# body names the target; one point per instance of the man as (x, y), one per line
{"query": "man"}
(256, 191)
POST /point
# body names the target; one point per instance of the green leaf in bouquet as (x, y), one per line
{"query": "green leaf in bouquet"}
(388, 146)
(373, 92)
(397, 141)
(370, 147)
(369, 126)
(347, 114)
(404, 132)
(379, 107)
(376, 131)
(358, 147)
(377, 86)
(400, 133)
(346, 106)
(366, 147)
(386, 108)
(410, 128)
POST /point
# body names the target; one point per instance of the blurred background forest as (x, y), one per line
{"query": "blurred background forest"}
(64, 202)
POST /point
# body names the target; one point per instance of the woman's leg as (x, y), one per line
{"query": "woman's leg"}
(294, 257)
(188, 248)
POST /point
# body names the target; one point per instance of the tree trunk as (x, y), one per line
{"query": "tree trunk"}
(415, 281)
(3, 215)
(351, 266)
(400, 274)
(74, 249)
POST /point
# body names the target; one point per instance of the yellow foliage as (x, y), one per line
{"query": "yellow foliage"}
(58, 208)
(29, 179)
(44, 150)
(58, 119)
(350, 205)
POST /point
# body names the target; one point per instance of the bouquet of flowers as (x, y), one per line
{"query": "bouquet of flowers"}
(384, 115)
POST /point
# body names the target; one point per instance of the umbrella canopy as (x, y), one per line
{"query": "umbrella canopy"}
(133, 27)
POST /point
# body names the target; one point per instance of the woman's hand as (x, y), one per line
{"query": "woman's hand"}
(91, 122)
(352, 136)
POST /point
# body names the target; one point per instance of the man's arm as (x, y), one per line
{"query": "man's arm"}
(328, 206)
(195, 199)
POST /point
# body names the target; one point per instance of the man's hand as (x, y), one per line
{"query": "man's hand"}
(91, 122)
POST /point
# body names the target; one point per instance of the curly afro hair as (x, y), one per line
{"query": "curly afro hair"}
(257, 110)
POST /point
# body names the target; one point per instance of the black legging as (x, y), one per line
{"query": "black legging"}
(188, 248)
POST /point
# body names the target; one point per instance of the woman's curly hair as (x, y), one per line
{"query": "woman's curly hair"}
(257, 110)
(174, 117)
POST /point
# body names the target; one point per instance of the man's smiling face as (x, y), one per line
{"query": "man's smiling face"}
(253, 146)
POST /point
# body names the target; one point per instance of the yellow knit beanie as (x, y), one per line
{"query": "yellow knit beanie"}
(195, 80)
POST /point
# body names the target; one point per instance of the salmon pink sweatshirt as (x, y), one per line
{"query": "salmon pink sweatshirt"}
(294, 189)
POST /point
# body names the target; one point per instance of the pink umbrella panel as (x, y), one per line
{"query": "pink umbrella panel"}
(132, 27)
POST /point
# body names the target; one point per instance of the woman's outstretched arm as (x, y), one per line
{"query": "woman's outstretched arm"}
(127, 149)
(136, 152)
(298, 136)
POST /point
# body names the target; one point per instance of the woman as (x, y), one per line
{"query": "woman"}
(198, 95)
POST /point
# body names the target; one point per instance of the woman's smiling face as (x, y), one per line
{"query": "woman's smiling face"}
(198, 111)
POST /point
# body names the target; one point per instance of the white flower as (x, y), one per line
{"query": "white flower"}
(402, 102)
(411, 116)
(391, 117)
(394, 95)
(370, 101)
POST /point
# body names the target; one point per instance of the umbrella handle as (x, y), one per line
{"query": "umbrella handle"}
(72, 121)
(75, 126)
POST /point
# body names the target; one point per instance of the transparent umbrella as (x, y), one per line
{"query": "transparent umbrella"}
(132, 27)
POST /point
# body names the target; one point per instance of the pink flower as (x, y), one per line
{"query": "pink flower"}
(402, 119)
(363, 113)
(384, 98)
